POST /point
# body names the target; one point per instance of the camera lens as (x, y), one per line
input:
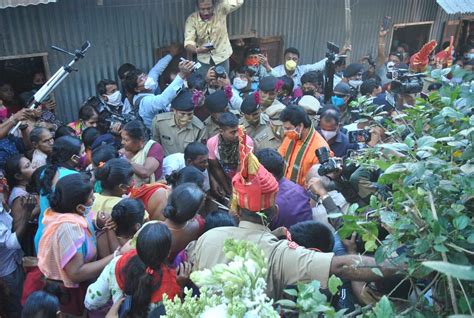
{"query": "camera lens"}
(322, 154)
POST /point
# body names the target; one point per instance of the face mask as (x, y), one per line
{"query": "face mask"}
(252, 61)
(115, 99)
(150, 84)
(240, 83)
(355, 83)
(337, 101)
(87, 209)
(290, 65)
(308, 92)
(469, 56)
(328, 134)
(293, 134)
(37, 86)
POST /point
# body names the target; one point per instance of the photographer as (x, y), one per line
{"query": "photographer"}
(205, 32)
(258, 64)
(218, 79)
(145, 103)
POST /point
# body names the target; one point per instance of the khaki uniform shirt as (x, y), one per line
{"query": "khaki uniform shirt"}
(211, 128)
(286, 266)
(198, 32)
(173, 139)
(262, 135)
(271, 114)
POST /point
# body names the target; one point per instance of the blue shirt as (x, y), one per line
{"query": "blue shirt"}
(151, 105)
(155, 73)
(44, 205)
(340, 144)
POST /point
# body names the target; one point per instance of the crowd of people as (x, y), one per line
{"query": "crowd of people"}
(112, 211)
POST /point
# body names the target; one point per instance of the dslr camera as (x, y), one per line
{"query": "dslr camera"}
(220, 72)
(327, 164)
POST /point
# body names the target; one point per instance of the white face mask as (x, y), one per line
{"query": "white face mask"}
(355, 83)
(115, 99)
(150, 84)
(328, 134)
(240, 83)
(469, 56)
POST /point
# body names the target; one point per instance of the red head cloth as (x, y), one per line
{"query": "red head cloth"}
(419, 61)
(253, 187)
(445, 57)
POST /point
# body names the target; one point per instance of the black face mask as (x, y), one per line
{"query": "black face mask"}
(36, 86)
(309, 92)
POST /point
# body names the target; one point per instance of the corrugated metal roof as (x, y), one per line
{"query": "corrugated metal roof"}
(457, 6)
(21, 3)
(128, 31)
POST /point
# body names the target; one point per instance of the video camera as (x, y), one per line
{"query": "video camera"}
(327, 164)
(333, 51)
(123, 119)
(359, 136)
(404, 82)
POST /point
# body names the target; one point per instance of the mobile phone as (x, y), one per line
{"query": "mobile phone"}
(386, 22)
(197, 65)
(209, 46)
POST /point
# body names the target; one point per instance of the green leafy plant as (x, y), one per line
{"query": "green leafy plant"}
(431, 211)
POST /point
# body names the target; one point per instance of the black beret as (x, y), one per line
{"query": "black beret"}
(353, 69)
(267, 84)
(216, 102)
(183, 102)
(249, 104)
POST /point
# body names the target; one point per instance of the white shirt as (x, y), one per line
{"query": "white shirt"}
(299, 71)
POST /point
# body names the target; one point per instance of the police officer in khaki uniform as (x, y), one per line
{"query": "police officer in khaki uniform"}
(271, 107)
(254, 192)
(311, 106)
(216, 104)
(177, 129)
(256, 126)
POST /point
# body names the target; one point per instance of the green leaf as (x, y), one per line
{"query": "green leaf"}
(370, 245)
(333, 284)
(396, 168)
(383, 309)
(377, 271)
(398, 147)
(426, 141)
(454, 270)
(441, 248)
(291, 292)
(461, 222)
(470, 239)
